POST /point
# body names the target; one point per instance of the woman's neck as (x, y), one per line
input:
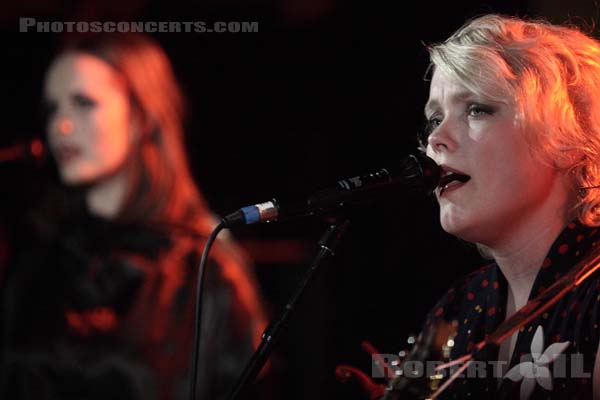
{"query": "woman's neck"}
(105, 198)
(521, 256)
(521, 261)
(521, 248)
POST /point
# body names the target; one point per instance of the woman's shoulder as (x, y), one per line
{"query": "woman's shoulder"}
(229, 271)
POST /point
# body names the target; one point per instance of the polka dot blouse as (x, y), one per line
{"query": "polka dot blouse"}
(554, 355)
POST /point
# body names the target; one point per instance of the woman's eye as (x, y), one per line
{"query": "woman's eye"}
(475, 110)
(430, 125)
(83, 101)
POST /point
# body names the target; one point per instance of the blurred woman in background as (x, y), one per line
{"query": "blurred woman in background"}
(100, 303)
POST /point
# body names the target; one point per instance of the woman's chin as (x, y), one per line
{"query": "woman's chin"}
(460, 228)
(71, 177)
(471, 233)
(452, 223)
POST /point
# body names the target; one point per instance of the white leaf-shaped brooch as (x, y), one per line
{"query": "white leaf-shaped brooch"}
(536, 370)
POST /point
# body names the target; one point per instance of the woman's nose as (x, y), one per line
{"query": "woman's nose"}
(65, 126)
(436, 144)
(442, 138)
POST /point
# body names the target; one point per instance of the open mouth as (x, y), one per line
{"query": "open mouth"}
(66, 153)
(451, 180)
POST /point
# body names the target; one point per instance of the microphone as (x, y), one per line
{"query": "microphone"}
(415, 172)
(23, 151)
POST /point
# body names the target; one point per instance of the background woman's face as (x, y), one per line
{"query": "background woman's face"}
(483, 139)
(89, 124)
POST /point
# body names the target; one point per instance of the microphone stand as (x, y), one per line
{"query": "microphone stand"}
(327, 245)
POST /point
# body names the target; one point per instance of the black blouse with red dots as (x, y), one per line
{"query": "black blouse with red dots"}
(554, 355)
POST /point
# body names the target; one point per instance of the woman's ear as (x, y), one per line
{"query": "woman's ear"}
(135, 126)
(141, 129)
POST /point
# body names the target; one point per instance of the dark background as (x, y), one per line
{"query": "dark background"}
(326, 89)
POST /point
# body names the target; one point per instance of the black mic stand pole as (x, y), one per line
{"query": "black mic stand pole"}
(327, 245)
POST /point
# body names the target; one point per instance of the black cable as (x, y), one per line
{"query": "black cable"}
(198, 308)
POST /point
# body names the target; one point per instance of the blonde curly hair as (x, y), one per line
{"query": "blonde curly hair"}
(552, 74)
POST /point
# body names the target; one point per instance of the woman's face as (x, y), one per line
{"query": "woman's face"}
(89, 128)
(483, 140)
